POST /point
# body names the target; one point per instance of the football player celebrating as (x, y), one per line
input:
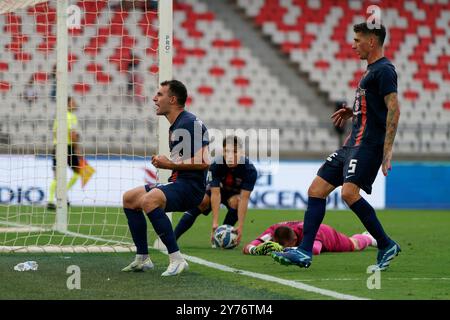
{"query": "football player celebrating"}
(189, 162)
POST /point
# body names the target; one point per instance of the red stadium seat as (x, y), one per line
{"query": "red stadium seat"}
(430, 86)
(48, 44)
(5, 86)
(13, 47)
(179, 60)
(94, 67)
(13, 23)
(238, 63)
(205, 90)
(40, 77)
(216, 71)
(20, 38)
(153, 69)
(222, 44)
(197, 52)
(72, 58)
(245, 101)
(102, 78)
(241, 82)
(81, 88)
(22, 56)
(411, 95)
(4, 66)
(322, 64)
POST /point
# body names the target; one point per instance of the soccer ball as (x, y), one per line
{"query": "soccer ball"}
(225, 237)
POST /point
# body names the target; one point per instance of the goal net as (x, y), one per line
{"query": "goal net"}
(76, 124)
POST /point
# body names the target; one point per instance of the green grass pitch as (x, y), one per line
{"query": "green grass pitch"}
(419, 272)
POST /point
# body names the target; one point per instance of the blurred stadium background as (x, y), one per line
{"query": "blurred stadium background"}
(248, 64)
(281, 64)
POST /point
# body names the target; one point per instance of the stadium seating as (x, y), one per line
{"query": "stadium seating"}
(317, 35)
(228, 86)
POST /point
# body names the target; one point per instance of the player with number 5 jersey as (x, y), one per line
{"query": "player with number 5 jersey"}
(375, 115)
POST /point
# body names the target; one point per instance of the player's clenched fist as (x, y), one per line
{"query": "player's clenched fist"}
(162, 162)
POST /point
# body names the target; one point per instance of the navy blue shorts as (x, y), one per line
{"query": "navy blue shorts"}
(181, 195)
(358, 165)
(224, 196)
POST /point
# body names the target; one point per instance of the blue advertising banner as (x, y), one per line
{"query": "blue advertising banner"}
(418, 185)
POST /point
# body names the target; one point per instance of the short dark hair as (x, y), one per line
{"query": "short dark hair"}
(234, 140)
(69, 98)
(283, 234)
(177, 89)
(379, 32)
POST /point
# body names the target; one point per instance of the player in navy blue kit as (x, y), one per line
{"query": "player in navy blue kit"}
(355, 166)
(189, 162)
(233, 178)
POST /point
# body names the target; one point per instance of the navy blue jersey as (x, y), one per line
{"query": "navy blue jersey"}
(369, 108)
(233, 180)
(187, 135)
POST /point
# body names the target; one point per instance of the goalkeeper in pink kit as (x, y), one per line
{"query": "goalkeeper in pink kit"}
(290, 234)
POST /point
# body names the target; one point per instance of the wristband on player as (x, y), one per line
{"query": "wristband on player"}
(251, 249)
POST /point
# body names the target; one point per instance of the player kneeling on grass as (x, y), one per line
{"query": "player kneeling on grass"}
(189, 162)
(233, 178)
(290, 234)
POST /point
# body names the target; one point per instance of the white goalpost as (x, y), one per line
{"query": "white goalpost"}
(109, 58)
(61, 115)
(165, 54)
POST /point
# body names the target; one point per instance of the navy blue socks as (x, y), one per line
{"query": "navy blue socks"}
(232, 217)
(313, 218)
(163, 228)
(186, 221)
(368, 217)
(138, 229)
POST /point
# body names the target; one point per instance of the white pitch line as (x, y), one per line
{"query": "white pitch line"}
(69, 233)
(80, 235)
(362, 279)
(22, 226)
(289, 283)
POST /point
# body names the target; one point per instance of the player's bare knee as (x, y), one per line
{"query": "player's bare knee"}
(349, 196)
(129, 201)
(151, 201)
(315, 191)
(233, 202)
(320, 188)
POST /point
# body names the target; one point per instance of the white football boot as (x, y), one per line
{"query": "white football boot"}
(175, 267)
(139, 265)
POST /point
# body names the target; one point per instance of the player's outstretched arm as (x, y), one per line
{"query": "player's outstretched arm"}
(215, 206)
(392, 119)
(242, 212)
(262, 249)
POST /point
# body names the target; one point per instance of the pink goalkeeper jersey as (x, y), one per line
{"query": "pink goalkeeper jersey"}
(327, 238)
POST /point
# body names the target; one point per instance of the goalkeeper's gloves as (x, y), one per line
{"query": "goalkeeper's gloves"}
(266, 248)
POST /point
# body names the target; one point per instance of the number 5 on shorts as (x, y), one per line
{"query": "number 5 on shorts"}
(352, 166)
